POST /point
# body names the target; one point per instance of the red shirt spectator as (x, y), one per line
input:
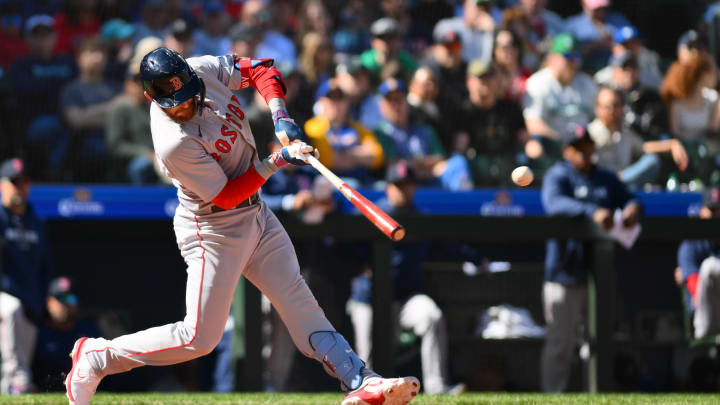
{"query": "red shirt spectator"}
(78, 23)
(12, 43)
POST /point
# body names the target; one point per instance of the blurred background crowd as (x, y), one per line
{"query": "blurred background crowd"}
(396, 95)
(464, 91)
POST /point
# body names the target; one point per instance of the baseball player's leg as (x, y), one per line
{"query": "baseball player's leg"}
(563, 314)
(425, 319)
(17, 344)
(361, 316)
(707, 314)
(275, 271)
(215, 248)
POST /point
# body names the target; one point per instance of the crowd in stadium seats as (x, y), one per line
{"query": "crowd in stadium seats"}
(463, 90)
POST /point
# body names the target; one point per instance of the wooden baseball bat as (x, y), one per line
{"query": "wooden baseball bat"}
(378, 217)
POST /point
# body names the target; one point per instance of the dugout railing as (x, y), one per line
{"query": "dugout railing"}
(475, 229)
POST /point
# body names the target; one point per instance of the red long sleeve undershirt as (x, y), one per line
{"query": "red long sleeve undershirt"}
(239, 189)
(268, 82)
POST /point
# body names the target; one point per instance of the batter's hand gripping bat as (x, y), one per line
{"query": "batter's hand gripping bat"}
(378, 217)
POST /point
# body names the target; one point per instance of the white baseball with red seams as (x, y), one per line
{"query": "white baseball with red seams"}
(218, 247)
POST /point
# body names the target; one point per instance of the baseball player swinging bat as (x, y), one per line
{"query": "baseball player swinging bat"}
(378, 217)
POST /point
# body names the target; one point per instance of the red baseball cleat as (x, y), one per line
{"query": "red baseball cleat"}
(384, 391)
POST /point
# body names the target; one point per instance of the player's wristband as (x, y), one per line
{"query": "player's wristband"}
(278, 108)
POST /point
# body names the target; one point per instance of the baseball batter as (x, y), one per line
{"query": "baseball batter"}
(224, 230)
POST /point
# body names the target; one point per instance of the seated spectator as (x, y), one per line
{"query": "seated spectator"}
(425, 109)
(85, 104)
(627, 40)
(595, 28)
(274, 45)
(621, 150)
(544, 24)
(210, 38)
(345, 146)
(414, 143)
(645, 111)
(355, 81)
(314, 17)
(179, 38)
(417, 34)
(128, 134)
(476, 28)
(54, 337)
(417, 311)
(508, 58)
(689, 44)
(558, 97)
(117, 35)
(12, 41)
(699, 262)
(245, 39)
(386, 58)
(78, 22)
(154, 21)
(445, 57)
(515, 21)
(492, 131)
(39, 76)
(689, 92)
(316, 58)
(574, 187)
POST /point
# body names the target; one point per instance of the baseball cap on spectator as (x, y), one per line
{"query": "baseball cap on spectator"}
(391, 85)
(180, 29)
(575, 135)
(116, 29)
(61, 289)
(385, 27)
(400, 172)
(625, 34)
(12, 170)
(445, 34)
(593, 4)
(691, 39)
(38, 21)
(566, 45)
(480, 68)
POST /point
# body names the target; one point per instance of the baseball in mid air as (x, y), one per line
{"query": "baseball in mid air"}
(522, 176)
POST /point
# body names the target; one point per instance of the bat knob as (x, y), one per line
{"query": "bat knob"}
(397, 234)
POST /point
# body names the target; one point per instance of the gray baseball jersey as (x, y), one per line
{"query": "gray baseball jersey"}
(216, 145)
(218, 247)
